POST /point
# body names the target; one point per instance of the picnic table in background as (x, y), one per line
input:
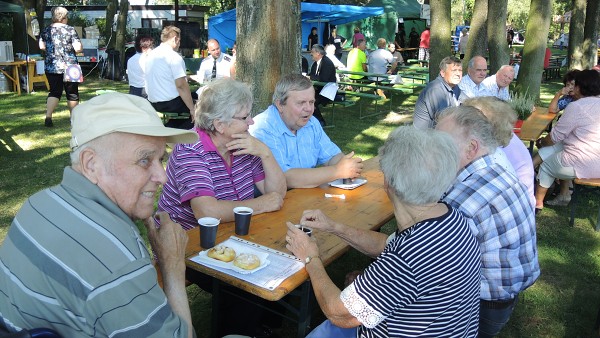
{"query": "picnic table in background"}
(533, 127)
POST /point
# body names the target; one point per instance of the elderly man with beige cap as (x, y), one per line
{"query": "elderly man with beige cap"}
(74, 261)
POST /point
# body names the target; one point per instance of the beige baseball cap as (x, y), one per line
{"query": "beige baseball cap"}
(117, 112)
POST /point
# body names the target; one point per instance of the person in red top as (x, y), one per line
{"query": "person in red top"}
(424, 45)
(547, 58)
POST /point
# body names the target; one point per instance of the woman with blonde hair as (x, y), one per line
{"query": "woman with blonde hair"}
(61, 44)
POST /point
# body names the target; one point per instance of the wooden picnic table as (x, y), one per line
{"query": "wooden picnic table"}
(28, 69)
(13, 73)
(366, 207)
(533, 127)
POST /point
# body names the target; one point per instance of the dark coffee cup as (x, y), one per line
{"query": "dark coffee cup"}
(242, 220)
(208, 231)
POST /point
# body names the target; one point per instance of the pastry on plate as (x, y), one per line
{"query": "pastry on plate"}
(247, 261)
(222, 253)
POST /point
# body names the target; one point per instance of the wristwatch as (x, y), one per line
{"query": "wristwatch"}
(309, 259)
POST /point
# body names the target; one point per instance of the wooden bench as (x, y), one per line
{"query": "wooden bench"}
(553, 69)
(580, 184)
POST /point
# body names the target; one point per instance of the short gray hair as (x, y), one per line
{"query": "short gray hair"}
(289, 83)
(59, 14)
(221, 100)
(449, 60)
(419, 165)
(473, 124)
(318, 48)
(500, 113)
(98, 144)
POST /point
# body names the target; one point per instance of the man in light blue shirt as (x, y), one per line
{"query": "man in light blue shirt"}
(305, 153)
(471, 84)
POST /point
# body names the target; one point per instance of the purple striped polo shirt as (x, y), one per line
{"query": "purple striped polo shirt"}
(198, 169)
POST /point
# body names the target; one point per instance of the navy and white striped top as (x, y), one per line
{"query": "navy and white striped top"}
(425, 283)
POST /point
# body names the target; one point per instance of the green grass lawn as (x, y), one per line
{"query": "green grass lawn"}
(562, 303)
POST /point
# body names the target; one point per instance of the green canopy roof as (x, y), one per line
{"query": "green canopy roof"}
(6, 7)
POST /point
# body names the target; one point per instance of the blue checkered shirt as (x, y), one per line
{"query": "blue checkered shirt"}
(503, 220)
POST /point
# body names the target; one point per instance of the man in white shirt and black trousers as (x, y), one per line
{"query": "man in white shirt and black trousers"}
(217, 65)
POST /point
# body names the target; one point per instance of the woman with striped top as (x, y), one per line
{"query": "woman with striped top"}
(425, 279)
(221, 170)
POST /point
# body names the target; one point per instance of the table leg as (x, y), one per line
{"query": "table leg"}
(305, 308)
(216, 298)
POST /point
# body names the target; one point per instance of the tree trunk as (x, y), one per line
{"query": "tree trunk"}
(576, 29)
(496, 32)
(121, 34)
(111, 10)
(477, 44)
(268, 45)
(536, 37)
(439, 38)
(590, 34)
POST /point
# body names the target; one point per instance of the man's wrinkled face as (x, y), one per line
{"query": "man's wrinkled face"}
(298, 108)
(505, 76)
(479, 70)
(452, 74)
(131, 175)
(315, 55)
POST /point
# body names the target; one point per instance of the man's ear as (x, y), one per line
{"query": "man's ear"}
(278, 105)
(90, 164)
(473, 149)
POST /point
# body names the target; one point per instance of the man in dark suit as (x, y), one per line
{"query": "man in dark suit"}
(322, 70)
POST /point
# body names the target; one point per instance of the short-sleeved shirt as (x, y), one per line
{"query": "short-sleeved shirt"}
(354, 62)
(309, 148)
(135, 70)
(579, 130)
(502, 218)
(564, 101)
(378, 61)
(163, 67)
(494, 90)
(60, 52)
(338, 41)
(425, 283)
(469, 89)
(223, 67)
(197, 169)
(313, 39)
(433, 99)
(74, 262)
(425, 39)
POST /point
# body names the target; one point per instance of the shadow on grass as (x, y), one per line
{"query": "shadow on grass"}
(567, 290)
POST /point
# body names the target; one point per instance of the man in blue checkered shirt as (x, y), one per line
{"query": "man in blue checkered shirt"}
(499, 213)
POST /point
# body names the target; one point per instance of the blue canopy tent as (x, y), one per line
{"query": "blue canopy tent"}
(222, 26)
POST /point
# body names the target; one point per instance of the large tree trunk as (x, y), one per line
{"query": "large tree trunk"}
(477, 44)
(268, 45)
(439, 41)
(590, 35)
(111, 10)
(120, 38)
(576, 28)
(496, 32)
(536, 36)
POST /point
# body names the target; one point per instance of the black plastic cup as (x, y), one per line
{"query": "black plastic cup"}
(307, 231)
(208, 231)
(242, 220)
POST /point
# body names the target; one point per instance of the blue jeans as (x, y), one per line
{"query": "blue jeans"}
(491, 321)
(327, 329)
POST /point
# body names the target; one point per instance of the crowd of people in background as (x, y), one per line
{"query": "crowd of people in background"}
(458, 177)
